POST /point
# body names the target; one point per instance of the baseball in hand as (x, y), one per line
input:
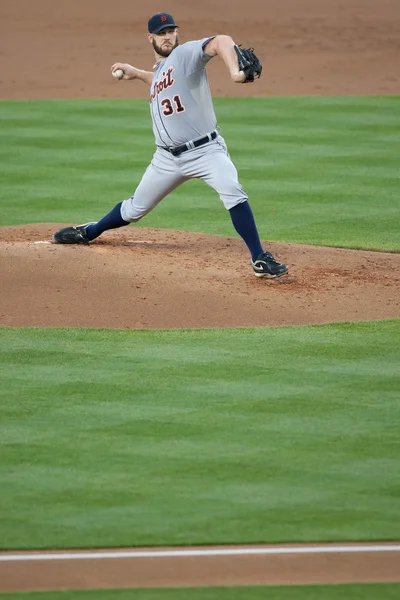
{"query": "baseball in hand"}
(118, 73)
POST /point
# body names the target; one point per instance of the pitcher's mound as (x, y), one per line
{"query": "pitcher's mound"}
(155, 278)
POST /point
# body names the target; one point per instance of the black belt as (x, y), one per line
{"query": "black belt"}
(200, 142)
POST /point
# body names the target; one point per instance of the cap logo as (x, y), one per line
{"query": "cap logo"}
(163, 19)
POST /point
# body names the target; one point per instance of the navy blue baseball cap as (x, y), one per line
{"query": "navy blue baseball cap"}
(161, 21)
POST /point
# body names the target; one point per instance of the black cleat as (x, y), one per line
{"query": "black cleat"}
(266, 266)
(72, 235)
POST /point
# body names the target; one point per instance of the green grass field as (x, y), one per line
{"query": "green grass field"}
(306, 592)
(317, 170)
(199, 436)
(115, 438)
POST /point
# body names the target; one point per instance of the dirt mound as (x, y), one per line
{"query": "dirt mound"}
(156, 278)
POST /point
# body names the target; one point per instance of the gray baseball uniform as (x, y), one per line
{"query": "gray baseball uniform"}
(182, 112)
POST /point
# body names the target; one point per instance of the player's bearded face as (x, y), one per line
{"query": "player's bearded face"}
(165, 41)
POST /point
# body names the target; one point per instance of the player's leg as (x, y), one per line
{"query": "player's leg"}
(160, 178)
(216, 168)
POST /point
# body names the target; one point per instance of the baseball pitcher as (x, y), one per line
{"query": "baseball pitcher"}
(188, 143)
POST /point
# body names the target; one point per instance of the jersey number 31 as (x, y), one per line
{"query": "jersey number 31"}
(169, 108)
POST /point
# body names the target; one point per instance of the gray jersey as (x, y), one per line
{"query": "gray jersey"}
(182, 111)
(180, 98)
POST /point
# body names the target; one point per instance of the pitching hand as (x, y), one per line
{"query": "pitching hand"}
(129, 71)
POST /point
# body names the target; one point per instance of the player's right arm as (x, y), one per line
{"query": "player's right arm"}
(133, 73)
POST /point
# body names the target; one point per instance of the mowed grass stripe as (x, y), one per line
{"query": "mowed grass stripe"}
(317, 170)
(119, 438)
(373, 591)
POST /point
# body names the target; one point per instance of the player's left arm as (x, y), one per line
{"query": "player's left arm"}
(224, 47)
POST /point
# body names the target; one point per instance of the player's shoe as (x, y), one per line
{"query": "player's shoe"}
(266, 266)
(76, 234)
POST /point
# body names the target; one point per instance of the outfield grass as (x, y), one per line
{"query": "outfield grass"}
(388, 591)
(199, 436)
(317, 170)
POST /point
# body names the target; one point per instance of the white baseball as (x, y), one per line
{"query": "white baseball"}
(118, 73)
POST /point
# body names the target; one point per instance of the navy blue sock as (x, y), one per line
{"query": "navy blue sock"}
(110, 221)
(243, 221)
